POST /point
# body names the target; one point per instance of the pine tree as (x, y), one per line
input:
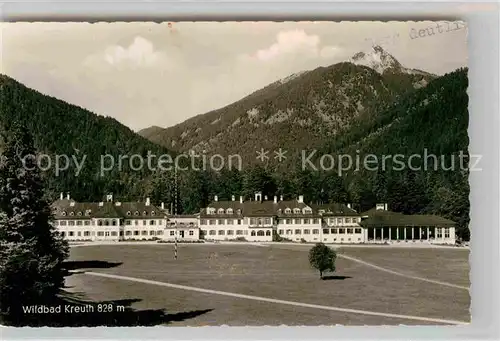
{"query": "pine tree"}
(32, 251)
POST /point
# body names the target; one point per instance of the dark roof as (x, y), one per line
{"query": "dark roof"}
(335, 209)
(69, 209)
(265, 208)
(387, 218)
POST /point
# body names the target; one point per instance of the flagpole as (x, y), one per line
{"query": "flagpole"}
(175, 211)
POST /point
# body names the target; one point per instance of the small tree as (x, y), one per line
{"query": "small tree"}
(322, 258)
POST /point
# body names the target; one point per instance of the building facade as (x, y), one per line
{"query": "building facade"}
(257, 220)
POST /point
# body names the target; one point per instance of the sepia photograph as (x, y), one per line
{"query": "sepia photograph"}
(311, 173)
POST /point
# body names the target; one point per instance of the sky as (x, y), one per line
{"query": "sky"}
(146, 74)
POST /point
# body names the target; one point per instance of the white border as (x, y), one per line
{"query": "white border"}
(484, 130)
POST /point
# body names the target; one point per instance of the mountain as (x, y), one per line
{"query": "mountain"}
(60, 128)
(297, 112)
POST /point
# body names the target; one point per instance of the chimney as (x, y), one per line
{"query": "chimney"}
(348, 205)
(275, 199)
(101, 203)
(118, 203)
(301, 198)
(258, 196)
(72, 204)
(385, 207)
(380, 207)
(232, 198)
(162, 205)
(109, 197)
(61, 197)
(148, 202)
(216, 198)
(67, 196)
(241, 199)
(281, 197)
(265, 197)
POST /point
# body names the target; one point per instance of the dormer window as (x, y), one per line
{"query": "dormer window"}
(296, 210)
(238, 211)
(144, 213)
(211, 210)
(71, 213)
(129, 213)
(152, 212)
(307, 211)
(229, 211)
(279, 210)
(287, 210)
(220, 211)
(136, 213)
(63, 213)
(79, 213)
(321, 211)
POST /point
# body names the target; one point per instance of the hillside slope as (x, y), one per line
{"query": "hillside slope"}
(60, 128)
(298, 112)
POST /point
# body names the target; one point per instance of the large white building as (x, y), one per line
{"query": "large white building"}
(257, 220)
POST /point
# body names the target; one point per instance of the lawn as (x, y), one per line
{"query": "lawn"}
(276, 272)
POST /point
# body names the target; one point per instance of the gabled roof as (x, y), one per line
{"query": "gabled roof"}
(266, 208)
(70, 209)
(335, 209)
(380, 218)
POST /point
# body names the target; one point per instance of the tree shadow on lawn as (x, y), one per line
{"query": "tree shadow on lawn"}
(89, 264)
(338, 278)
(116, 313)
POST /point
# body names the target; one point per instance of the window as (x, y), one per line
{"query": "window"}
(113, 233)
(203, 222)
(79, 223)
(349, 231)
(288, 231)
(297, 231)
(113, 222)
(239, 232)
(348, 220)
(252, 221)
(333, 231)
(331, 221)
(128, 212)
(221, 232)
(260, 233)
(326, 231)
(315, 221)
(71, 233)
(63, 223)
(307, 231)
(136, 213)
(128, 222)
(339, 220)
(152, 222)
(71, 223)
(239, 221)
(212, 232)
(211, 222)
(151, 233)
(229, 211)
(87, 222)
(79, 234)
(307, 211)
(71, 213)
(341, 231)
(100, 234)
(191, 233)
(220, 211)
(280, 231)
(221, 221)
(230, 221)
(79, 214)
(136, 233)
(128, 233)
(136, 222)
(296, 210)
(230, 232)
(315, 231)
(439, 233)
(238, 211)
(268, 221)
(172, 233)
(86, 233)
(268, 233)
(447, 232)
(357, 230)
(306, 221)
(144, 232)
(288, 211)
(160, 232)
(297, 221)
(153, 213)
(144, 213)
(288, 221)
(63, 213)
(144, 223)
(252, 233)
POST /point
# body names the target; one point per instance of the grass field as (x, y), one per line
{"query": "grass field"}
(278, 272)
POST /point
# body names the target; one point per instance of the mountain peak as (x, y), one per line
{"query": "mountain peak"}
(377, 58)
